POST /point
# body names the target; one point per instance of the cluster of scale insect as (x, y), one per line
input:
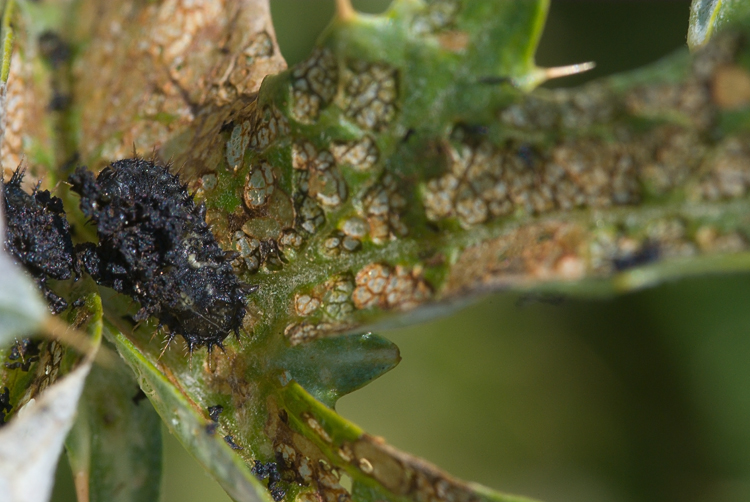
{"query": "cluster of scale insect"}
(270, 470)
(38, 236)
(156, 247)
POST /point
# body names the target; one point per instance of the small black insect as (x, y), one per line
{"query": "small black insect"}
(648, 253)
(5, 406)
(270, 470)
(214, 412)
(38, 236)
(230, 441)
(53, 48)
(58, 102)
(23, 353)
(138, 397)
(155, 246)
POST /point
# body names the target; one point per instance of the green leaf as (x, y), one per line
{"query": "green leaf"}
(114, 446)
(333, 367)
(22, 310)
(709, 16)
(31, 442)
(378, 470)
(6, 39)
(191, 427)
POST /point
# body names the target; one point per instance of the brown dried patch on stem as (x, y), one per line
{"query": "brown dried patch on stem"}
(405, 475)
(727, 173)
(303, 332)
(319, 176)
(543, 251)
(301, 460)
(454, 41)
(485, 182)
(361, 154)
(326, 310)
(333, 299)
(557, 250)
(155, 66)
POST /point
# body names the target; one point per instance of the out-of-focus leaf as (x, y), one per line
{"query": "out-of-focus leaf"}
(709, 16)
(6, 39)
(22, 310)
(31, 442)
(196, 434)
(114, 446)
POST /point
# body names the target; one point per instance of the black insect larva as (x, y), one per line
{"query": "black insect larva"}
(155, 246)
(38, 236)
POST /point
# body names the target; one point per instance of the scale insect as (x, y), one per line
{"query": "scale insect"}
(156, 247)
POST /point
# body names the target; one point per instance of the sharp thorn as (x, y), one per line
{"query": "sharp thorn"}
(565, 71)
(344, 10)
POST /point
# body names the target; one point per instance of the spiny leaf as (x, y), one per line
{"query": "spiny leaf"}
(247, 379)
(388, 177)
(402, 166)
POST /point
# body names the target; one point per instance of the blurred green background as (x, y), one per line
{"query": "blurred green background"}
(644, 397)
